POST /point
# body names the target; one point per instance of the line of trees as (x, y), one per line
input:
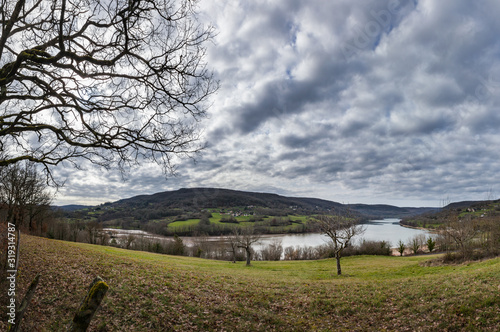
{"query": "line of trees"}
(24, 202)
(24, 197)
(24, 205)
(223, 229)
(460, 238)
(470, 238)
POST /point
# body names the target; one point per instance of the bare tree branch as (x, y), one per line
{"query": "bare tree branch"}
(114, 82)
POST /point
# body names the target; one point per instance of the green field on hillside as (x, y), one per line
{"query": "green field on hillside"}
(152, 292)
(180, 224)
(297, 222)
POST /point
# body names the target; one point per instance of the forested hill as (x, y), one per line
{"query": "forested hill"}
(472, 209)
(199, 198)
(390, 211)
(225, 198)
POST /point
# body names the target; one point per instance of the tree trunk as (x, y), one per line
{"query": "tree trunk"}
(248, 255)
(339, 270)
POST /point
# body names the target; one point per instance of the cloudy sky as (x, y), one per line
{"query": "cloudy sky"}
(392, 102)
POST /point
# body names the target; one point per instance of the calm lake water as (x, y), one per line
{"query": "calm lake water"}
(376, 230)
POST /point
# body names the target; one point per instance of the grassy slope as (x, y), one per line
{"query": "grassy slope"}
(150, 292)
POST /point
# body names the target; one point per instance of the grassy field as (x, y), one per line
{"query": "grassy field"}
(150, 292)
(243, 221)
(180, 224)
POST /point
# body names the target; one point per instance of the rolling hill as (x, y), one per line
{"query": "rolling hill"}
(390, 211)
(472, 209)
(181, 212)
(226, 198)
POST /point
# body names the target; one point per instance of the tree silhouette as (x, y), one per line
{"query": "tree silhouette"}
(113, 82)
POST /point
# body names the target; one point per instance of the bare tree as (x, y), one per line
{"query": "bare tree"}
(416, 243)
(490, 234)
(232, 243)
(462, 232)
(245, 239)
(24, 195)
(74, 230)
(273, 251)
(113, 82)
(129, 240)
(340, 229)
(94, 232)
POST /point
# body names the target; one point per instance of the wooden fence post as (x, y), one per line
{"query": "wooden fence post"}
(24, 305)
(89, 306)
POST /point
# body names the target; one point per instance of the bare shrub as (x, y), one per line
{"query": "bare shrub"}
(369, 247)
(306, 253)
(272, 252)
(416, 243)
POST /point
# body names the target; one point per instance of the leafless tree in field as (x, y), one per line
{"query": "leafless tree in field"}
(245, 238)
(232, 245)
(340, 229)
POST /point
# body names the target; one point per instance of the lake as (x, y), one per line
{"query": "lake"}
(376, 230)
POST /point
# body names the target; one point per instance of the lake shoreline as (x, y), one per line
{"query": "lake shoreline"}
(429, 230)
(389, 230)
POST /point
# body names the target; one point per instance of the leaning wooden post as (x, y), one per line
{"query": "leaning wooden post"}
(91, 302)
(24, 305)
